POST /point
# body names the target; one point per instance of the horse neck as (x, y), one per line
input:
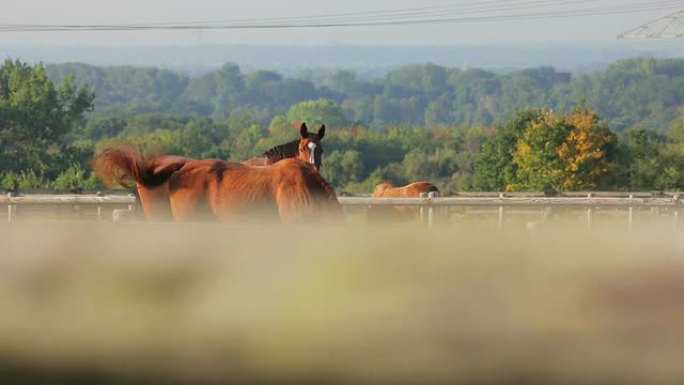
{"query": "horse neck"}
(281, 151)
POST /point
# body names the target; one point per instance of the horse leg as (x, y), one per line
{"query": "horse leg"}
(293, 205)
(186, 204)
(155, 202)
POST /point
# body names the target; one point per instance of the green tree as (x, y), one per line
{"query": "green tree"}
(35, 116)
(314, 113)
(202, 138)
(246, 141)
(101, 126)
(494, 166)
(570, 152)
(540, 150)
(221, 90)
(647, 161)
(343, 167)
(535, 154)
(426, 77)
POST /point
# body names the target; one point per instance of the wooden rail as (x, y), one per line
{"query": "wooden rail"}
(98, 200)
(510, 201)
(45, 199)
(351, 201)
(427, 204)
(502, 203)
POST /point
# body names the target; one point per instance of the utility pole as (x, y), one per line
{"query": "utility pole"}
(670, 26)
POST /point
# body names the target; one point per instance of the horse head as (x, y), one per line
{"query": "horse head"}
(310, 149)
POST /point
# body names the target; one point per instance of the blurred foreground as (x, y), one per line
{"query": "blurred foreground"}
(206, 303)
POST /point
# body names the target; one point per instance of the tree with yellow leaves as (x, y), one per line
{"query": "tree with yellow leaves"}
(566, 152)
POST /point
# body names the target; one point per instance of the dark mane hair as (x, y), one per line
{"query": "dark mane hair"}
(282, 151)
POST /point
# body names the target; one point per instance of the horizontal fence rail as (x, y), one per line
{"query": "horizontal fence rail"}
(351, 201)
(510, 201)
(45, 199)
(428, 206)
(590, 203)
(97, 200)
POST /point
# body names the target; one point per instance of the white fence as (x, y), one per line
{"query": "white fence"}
(100, 202)
(503, 205)
(430, 207)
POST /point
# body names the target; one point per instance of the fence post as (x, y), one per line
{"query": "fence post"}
(631, 214)
(423, 195)
(431, 209)
(675, 215)
(11, 209)
(501, 213)
(675, 222)
(130, 207)
(589, 212)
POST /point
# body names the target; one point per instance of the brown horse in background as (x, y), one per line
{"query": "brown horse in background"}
(154, 197)
(411, 190)
(389, 190)
(307, 148)
(289, 191)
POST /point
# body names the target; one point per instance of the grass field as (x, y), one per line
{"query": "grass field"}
(101, 303)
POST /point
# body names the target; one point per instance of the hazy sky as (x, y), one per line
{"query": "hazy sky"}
(597, 28)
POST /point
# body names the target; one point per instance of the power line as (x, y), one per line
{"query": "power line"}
(485, 11)
(670, 26)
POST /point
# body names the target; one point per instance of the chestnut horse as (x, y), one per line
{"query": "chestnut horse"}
(289, 191)
(411, 190)
(389, 190)
(154, 197)
(307, 148)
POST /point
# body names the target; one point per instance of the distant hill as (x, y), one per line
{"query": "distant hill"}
(366, 61)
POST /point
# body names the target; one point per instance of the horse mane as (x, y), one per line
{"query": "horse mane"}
(282, 151)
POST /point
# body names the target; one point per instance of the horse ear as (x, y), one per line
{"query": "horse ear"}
(321, 132)
(303, 131)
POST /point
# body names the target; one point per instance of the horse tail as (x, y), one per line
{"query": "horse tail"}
(123, 164)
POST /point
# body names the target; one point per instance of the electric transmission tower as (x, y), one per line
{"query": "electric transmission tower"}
(670, 26)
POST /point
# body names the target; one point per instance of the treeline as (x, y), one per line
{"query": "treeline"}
(643, 91)
(52, 120)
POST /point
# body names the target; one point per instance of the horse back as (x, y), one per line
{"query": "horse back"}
(416, 188)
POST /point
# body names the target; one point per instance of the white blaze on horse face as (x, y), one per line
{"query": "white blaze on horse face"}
(312, 151)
